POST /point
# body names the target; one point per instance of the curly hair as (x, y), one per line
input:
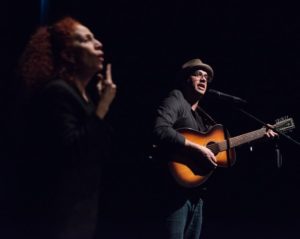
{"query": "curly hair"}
(42, 58)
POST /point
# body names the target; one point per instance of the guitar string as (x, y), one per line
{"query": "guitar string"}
(213, 147)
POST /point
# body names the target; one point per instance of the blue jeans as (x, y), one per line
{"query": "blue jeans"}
(185, 221)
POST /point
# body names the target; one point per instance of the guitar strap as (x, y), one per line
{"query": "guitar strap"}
(209, 121)
(227, 138)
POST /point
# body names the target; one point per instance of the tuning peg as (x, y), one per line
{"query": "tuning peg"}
(281, 118)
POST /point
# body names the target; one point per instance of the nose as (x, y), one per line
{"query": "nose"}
(98, 44)
(203, 79)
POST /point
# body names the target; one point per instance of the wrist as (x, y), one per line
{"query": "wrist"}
(102, 110)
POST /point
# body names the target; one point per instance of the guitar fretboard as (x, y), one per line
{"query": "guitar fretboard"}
(241, 139)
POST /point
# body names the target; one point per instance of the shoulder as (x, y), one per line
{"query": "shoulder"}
(176, 94)
(59, 86)
(60, 90)
(173, 102)
(59, 93)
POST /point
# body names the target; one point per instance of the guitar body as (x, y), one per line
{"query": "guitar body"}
(186, 170)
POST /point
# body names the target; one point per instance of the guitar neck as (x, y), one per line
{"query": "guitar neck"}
(242, 139)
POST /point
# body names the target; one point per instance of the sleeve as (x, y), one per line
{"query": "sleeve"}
(166, 116)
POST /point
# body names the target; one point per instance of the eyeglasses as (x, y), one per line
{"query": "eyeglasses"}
(200, 73)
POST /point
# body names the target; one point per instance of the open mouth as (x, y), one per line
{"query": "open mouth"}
(201, 86)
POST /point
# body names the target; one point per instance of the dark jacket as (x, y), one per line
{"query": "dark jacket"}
(66, 145)
(175, 113)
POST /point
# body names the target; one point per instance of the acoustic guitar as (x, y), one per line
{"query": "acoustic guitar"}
(187, 170)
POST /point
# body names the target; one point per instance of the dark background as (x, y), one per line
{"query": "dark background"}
(254, 50)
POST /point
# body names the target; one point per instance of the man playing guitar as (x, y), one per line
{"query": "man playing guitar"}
(181, 110)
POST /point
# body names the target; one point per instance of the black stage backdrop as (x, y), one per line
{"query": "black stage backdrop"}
(254, 49)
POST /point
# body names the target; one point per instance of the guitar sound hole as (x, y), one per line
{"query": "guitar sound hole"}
(213, 147)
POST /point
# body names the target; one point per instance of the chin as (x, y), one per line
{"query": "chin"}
(201, 92)
(100, 67)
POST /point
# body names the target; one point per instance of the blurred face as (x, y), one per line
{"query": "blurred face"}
(198, 81)
(86, 51)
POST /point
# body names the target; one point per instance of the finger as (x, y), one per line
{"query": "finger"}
(211, 153)
(99, 77)
(214, 161)
(274, 134)
(100, 85)
(212, 158)
(108, 77)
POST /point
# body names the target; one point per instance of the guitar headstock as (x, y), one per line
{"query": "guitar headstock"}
(284, 124)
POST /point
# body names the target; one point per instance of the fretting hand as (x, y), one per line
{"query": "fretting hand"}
(270, 133)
